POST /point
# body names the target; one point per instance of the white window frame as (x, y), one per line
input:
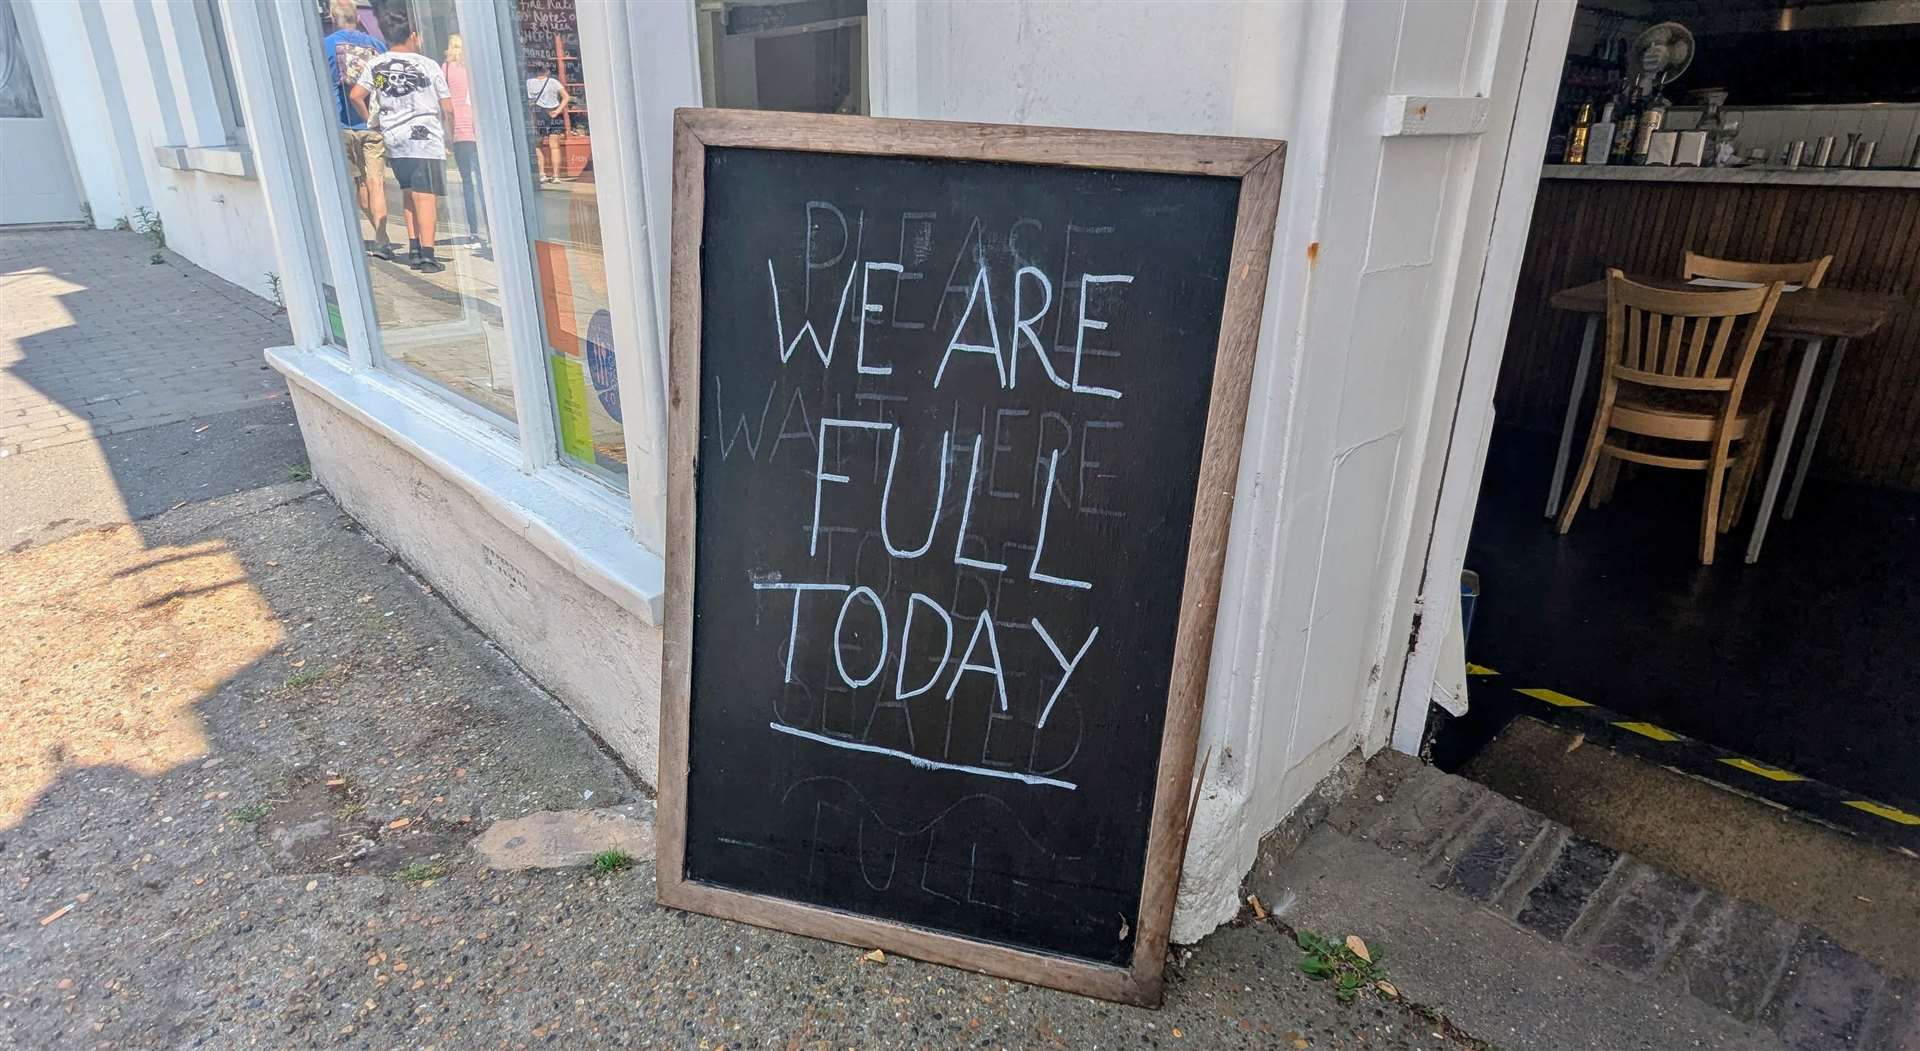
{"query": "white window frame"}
(223, 79)
(269, 114)
(613, 539)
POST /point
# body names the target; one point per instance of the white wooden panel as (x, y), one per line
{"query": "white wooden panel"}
(1392, 335)
(1411, 184)
(1435, 42)
(1350, 563)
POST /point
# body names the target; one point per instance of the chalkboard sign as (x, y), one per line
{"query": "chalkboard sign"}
(955, 417)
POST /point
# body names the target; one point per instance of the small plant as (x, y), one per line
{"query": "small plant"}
(305, 677)
(250, 813)
(611, 861)
(300, 472)
(86, 213)
(421, 871)
(275, 292)
(147, 221)
(122, 223)
(1349, 965)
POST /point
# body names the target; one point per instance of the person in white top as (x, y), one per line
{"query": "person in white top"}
(415, 107)
(548, 99)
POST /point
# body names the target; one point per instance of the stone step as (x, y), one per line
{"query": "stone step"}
(1633, 919)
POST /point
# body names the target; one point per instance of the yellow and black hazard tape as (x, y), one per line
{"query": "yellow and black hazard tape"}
(1894, 823)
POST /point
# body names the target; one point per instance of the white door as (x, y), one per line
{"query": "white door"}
(36, 178)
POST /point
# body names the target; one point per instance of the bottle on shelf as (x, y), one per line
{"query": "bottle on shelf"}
(1578, 135)
(1652, 115)
(1627, 121)
(1600, 137)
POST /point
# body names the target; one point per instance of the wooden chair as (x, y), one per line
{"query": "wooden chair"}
(1676, 368)
(1807, 274)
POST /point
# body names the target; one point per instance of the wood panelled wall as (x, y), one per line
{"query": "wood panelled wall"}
(1581, 227)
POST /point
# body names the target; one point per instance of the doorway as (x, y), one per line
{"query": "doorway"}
(36, 181)
(1792, 654)
(1750, 724)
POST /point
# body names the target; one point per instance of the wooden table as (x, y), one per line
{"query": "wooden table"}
(1808, 316)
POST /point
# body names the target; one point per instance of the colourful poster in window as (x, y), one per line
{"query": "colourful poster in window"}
(570, 400)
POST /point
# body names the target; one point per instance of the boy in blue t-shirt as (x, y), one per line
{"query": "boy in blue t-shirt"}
(349, 51)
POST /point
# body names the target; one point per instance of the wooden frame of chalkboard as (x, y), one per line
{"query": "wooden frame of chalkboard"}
(1257, 166)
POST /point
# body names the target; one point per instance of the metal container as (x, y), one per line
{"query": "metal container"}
(1796, 150)
(1822, 152)
(1863, 156)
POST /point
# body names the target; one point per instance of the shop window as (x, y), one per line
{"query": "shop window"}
(400, 90)
(548, 76)
(220, 61)
(807, 55)
(18, 96)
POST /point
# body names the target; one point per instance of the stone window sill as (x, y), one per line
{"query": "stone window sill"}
(580, 524)
(236, 161)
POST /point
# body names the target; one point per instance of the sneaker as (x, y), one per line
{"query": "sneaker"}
(429, 266)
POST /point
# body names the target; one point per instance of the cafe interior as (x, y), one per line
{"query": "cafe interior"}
(1696, 548)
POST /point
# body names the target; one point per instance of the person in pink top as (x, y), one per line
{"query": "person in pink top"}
(466, 155)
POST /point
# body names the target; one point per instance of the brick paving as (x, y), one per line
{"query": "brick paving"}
(97, 340)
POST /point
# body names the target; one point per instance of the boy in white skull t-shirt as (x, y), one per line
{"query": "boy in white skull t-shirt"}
(412, 108)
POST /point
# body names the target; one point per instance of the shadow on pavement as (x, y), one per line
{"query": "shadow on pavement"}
(127, 387)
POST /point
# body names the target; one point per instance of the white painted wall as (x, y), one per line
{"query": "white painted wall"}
(138, 77)
(219, 222)
(1366, 262)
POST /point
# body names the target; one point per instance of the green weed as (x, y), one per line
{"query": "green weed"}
(1340, 963)
(421, 871)
(608, 862)
(305, 677)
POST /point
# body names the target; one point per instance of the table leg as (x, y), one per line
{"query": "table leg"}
(1573, 414)
(1813, 428)
(1777, 470)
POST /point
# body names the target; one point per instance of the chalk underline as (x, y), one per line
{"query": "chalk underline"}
(922, 762)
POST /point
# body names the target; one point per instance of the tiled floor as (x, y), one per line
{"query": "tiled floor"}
(1805, 661)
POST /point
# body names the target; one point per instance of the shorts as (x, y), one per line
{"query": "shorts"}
(420, 174)
(366, 155)
(545, 124)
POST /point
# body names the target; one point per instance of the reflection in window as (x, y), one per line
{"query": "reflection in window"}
(226, 94)
(808, 55)
(564, 214)
(18, 98)
(402, 95)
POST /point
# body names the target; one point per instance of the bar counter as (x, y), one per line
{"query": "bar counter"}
(1642, 220)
